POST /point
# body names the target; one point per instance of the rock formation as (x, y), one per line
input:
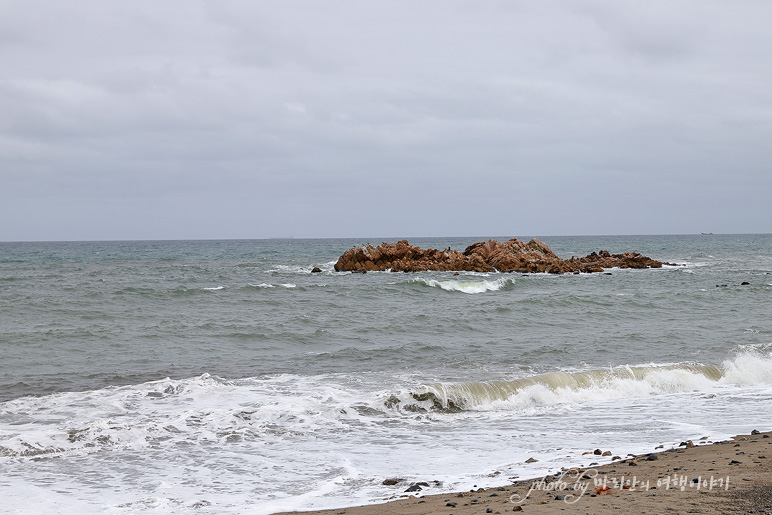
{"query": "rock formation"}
(489, 256)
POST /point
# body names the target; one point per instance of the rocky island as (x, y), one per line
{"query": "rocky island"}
(489, 256)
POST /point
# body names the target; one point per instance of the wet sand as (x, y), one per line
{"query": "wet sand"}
(733, 476)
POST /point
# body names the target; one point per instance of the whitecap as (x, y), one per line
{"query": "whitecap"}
(534, 393)
(469, 287)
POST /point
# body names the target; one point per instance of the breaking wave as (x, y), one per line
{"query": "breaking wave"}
(267, 285)
(556, 388)
(469, 287)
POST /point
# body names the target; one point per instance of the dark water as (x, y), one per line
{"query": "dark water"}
(250, 317)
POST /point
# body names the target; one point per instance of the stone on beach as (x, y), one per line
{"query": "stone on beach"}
(705, 479)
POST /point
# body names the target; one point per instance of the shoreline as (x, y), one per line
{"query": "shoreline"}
(731, 476)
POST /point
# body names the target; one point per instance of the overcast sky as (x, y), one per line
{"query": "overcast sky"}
(170, 119)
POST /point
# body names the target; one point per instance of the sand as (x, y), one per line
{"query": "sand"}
(734, 476)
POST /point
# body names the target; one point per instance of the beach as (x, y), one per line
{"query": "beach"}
(731, 476)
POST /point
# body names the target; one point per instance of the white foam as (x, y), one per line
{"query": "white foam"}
(535, 393)
(469, 287)
(306, 442)
(686, 265)
(302, 270)
(283, 285)
(748, 368)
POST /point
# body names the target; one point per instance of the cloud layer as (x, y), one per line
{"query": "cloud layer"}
(240, 119)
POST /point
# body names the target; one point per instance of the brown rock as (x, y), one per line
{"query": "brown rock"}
(490, 256)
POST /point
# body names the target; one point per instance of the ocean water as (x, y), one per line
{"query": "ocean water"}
(225, 377)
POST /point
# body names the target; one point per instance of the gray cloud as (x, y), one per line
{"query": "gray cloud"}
(209, 119)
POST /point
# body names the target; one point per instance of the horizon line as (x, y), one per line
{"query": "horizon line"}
(395, 238)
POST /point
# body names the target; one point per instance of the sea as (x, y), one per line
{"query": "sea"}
(227, 377)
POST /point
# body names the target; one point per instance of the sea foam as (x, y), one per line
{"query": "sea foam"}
(329, 440)
(465, 286)
(534, 393)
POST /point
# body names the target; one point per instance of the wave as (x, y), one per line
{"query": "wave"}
(469, 287)
(169, 412)
(327, 268)
(599, 385)
(204, 409)
(267, 285)
(135, 290)
(215, 413)
(184, 291)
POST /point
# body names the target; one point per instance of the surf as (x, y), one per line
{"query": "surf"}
(580, 387)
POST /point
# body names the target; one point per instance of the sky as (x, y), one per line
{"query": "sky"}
(196, 119)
